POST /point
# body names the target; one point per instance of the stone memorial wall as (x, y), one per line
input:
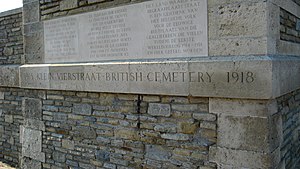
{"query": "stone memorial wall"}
(123, 84)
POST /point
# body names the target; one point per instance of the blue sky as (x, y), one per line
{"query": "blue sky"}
(10, 4)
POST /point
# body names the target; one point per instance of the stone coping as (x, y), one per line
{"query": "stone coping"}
(249, 77)
(11, 12)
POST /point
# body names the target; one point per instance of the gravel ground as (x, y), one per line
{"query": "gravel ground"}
(4, 166)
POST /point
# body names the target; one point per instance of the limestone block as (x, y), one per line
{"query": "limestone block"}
(250, 125)
(157, 152)
(238, 46)
(22, 128)
(27, 163)
(32, 28)
(59, 156)
(157, 109)
(3, 35)
(84, 132)
(28, 1)
(32, 145)
(95, 1)
(204, 116)
(68, 4)
(169, 128)
(34, 124)
(1, 95)
(34, 47)
(82, 109)
(187, 127)
(31, 12)
(243, 159)
(252, 77)
(1, 129)
(244, 133)
(213, 3)
(126, 133)
(178, 137)
(102, 155)
(238, 107)
(8, 118)
(140, 41)
(8, 51)
(238, 20)
(9, 76)
(68, 144)
(32, 108)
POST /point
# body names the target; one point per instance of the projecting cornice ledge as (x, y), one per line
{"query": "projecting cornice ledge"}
(249, 77)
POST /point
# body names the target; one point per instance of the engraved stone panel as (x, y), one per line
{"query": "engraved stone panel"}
(153, 29)
(250, 77)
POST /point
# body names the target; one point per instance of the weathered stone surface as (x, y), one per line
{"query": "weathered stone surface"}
(95, 1)
(68, 4)
(34, 47)
(8, 118)
(59, 156)
(9, 75)
(84, 132)
(31, 12)
(243, 133)
(126, 133)
(178, 136)
(188, 127)
(236, 107)
(102, 155)
(32, 28)
(34, 124)
(68, 144)
(205, 116)
(169, 128)
(243, 159)
(156, 109)
(82, 109)
(32, 145)
(32, 108)
(27, 163)
(157, 152)
(153, 39)
(234, 77)
(8, 51)
(1, 95)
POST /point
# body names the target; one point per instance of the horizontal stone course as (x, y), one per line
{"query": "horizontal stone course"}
(234, 77)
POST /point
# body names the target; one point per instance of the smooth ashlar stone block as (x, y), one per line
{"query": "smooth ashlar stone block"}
(237, 107)
(232, 77)
(32, 145)
(231, 158)
(34, 47)
(244, 19)
(9, 75)
(243, 133)
(151, 29)
(27, 163)
(32, 108)
(34, 124)
(31, 12)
